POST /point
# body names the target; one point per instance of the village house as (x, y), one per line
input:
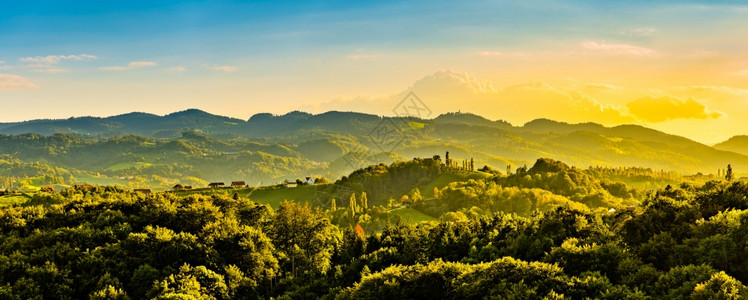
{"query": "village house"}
(238, 184)
(215, 185)
(179, 187)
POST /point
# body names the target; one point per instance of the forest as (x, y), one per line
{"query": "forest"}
(549, 231)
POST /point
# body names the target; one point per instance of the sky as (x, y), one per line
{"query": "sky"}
(676, 66)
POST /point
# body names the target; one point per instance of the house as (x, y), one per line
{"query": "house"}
(47, 189)
(309, 180)
(238, 184)
(215, 185)
(187, 187)
(178, 188)
(144, 191)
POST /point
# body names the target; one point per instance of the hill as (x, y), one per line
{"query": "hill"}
(197, 146)
(737, 144)
(570, 232)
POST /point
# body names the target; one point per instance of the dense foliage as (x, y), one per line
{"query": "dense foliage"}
(683, 241)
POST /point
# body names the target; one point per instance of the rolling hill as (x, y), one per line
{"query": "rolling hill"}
(270, 148)
(737, 144)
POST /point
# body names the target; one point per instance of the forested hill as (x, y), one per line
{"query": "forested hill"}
(269, 148)
(548, 232)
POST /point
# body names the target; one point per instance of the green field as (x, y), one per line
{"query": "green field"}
(272, 196)
(128, 165)
(409, 215)
(102, 180)
(14, 200)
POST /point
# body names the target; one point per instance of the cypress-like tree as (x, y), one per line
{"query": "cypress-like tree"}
(364, 201)
(352, 203)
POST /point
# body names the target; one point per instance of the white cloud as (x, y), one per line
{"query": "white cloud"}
(639, 31)
(617, 49)
(502, 54)
(51, 70)
(47, 64)
(178, 69)
(53, 59)
(132, 65)
(3, 66)
(220, 68)
(15, 82)
(490, 53)
(449, 82)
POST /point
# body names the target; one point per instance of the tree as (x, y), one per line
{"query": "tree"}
(728, 174)
(364, 202)
(352, 205)
(304, 238)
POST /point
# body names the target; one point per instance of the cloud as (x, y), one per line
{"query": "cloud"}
(617, 49)
(51, 70)
(490, 53)
(53, 59)
(363, 56)
(667, 108)
(502, 54)
(639, 31)
(220, 68)
(600, 87)
(178, 69)
(741, 73)
(450, 91)
(15, 82)
(449, 82)
(47, 64)
(130, 66)
(3, 66)
(541, 100)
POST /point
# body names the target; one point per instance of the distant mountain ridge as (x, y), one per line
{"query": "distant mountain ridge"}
(738, 144)
(496, 143)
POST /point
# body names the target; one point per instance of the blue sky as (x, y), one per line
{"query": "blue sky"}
(72, 58)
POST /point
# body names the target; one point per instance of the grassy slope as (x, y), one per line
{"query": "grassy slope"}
(14, 200)
(408, 215)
